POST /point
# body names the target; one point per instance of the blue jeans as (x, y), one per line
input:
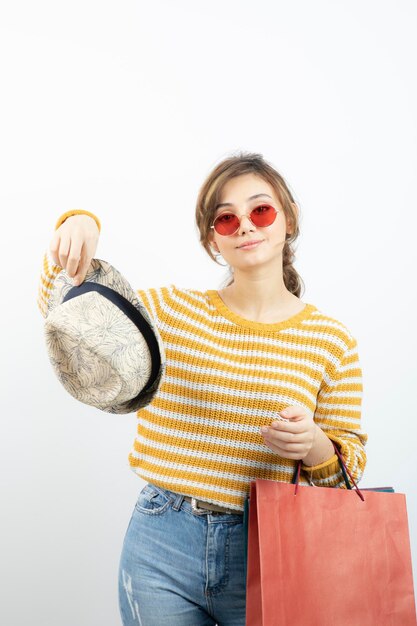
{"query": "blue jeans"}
(180, 568)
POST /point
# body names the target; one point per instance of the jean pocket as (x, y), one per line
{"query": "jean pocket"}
(152, 501)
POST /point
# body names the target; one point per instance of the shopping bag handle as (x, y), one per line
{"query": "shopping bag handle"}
(345, 471)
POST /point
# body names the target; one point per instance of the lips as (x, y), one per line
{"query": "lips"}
(250, 244)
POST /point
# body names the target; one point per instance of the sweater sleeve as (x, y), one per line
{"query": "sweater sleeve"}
(338, 413)
(156, 301)
(49, 272)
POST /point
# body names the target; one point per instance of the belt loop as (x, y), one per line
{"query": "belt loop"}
(178, 501)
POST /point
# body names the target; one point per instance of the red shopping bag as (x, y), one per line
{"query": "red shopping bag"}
(320, 556)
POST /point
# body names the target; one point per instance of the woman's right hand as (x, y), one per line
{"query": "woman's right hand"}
(74, 245)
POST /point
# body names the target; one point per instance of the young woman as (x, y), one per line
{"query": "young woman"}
(255, 380)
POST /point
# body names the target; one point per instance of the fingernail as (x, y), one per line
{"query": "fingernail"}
(264, 429)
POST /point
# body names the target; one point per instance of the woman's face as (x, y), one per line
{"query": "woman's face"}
(238, 192)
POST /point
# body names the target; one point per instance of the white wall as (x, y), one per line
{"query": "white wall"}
(123, 108)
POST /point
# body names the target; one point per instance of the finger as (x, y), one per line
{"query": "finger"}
(283, 447)
(84, 264)
(73, 258)
(90, 247)
(63, 251)
(54, 248)
(294, 451)
(281, 437)
(288, 427)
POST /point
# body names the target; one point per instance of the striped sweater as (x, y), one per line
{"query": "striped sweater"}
(227, 376)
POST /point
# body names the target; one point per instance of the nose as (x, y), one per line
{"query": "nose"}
(245, 225)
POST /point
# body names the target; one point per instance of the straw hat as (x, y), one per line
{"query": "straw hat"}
(101, 341)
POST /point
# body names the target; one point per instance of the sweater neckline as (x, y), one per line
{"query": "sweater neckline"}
(242, 321)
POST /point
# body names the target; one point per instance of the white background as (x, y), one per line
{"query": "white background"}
(123, 108)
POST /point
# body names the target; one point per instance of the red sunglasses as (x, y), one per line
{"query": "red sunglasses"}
(260, 216)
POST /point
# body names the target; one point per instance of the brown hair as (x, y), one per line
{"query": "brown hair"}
(209, 197)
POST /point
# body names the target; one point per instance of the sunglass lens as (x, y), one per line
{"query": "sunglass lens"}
(226, 224)
(263, 215)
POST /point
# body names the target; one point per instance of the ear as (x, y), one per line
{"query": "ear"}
(212, 243)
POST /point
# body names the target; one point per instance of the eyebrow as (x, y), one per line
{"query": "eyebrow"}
(258, 195)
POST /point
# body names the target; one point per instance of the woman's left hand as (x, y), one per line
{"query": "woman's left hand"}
(294, 437)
